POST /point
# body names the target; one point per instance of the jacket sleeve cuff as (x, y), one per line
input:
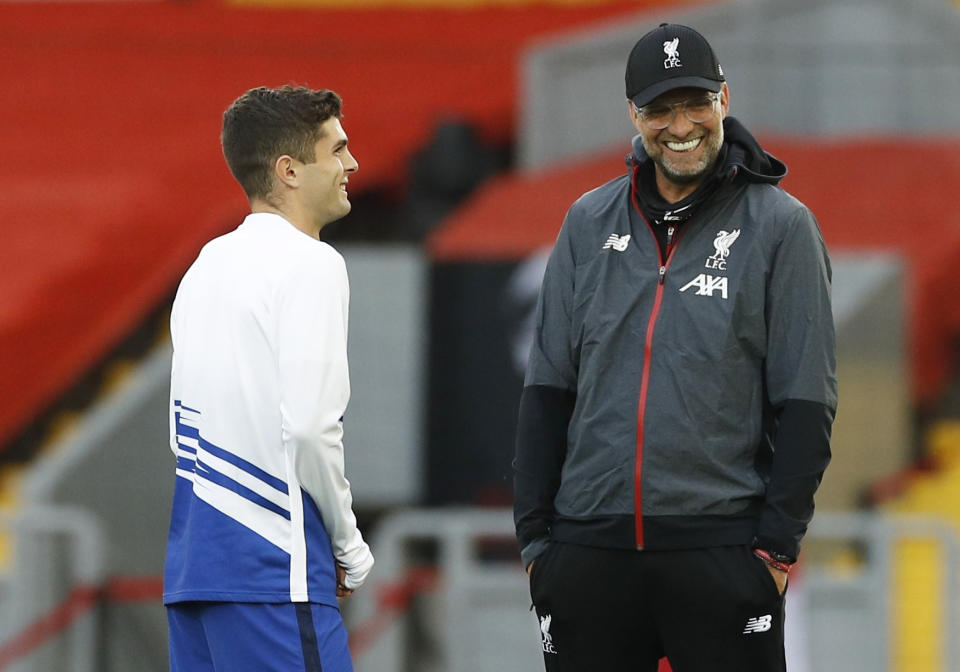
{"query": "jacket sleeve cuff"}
(532, 551)
(357, 566)
(788, 549)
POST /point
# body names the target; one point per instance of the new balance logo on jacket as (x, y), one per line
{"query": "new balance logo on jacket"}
(618, 243)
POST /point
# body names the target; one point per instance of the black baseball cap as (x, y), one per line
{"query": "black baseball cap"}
(671, 57)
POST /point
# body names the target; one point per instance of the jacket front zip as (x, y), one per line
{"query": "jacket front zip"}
(645, 376)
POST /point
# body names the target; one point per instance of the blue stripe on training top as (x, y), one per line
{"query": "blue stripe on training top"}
(187, 449)
(204, 471)
(241, 463)
(187, 430)
(179, 404)
(186, 463)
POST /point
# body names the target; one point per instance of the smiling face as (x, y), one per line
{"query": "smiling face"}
(323, 183)
(685, 151)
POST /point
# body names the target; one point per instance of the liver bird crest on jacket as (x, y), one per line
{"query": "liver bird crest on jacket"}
(722, 243)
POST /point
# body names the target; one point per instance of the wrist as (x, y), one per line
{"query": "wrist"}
(775, 560)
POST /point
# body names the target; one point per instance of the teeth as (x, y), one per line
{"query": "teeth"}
(683, 146)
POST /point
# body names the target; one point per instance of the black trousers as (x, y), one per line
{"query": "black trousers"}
(706, 610)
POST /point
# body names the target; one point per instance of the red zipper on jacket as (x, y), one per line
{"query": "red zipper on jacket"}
(647, 347)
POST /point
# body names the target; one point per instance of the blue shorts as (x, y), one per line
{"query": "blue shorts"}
(232, 637)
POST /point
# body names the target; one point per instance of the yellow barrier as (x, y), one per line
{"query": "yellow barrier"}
(919, 576)
(918, 585)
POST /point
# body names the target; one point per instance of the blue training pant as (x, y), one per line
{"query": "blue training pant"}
(235, 637)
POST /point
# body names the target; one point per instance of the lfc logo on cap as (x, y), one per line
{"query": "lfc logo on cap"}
(673, 56)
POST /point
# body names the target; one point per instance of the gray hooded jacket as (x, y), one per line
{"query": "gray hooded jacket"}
(680, 398)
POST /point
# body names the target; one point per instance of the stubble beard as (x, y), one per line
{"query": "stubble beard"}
(680, 174)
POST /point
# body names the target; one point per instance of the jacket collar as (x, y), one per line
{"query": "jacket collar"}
(740, 156)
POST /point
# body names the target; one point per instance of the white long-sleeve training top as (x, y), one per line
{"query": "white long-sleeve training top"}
(262, 510)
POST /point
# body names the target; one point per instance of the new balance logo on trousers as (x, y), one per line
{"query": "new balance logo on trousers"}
(758, 624)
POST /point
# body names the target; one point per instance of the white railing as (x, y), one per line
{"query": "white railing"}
(48, 614)
(475, 616)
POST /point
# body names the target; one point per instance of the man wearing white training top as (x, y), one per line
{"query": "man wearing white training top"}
(263, 540)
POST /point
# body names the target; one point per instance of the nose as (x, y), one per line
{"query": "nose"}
(680, 126)
(350, 165)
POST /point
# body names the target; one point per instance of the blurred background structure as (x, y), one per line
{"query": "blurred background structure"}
(476, 123)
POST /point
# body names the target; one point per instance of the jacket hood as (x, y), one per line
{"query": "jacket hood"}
(741, 154)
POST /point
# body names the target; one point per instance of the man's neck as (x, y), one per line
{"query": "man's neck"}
(673, 192)
(290, 214)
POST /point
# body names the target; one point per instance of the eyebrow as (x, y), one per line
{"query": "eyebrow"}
(341, 144)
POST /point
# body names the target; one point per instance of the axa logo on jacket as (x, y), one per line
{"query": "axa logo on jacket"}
(705, 283)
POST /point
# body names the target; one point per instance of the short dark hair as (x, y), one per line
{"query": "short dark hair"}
(264, 124)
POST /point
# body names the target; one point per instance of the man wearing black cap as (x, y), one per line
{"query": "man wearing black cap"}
(676, 413)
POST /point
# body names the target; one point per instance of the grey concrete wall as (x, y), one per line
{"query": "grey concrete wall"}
(824, 67)
(384, 435)
(872, 433)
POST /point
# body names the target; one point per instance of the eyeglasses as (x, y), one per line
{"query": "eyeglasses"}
(658, 116)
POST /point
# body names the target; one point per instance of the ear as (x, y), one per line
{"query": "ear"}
(725, 100)
(285, 170)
